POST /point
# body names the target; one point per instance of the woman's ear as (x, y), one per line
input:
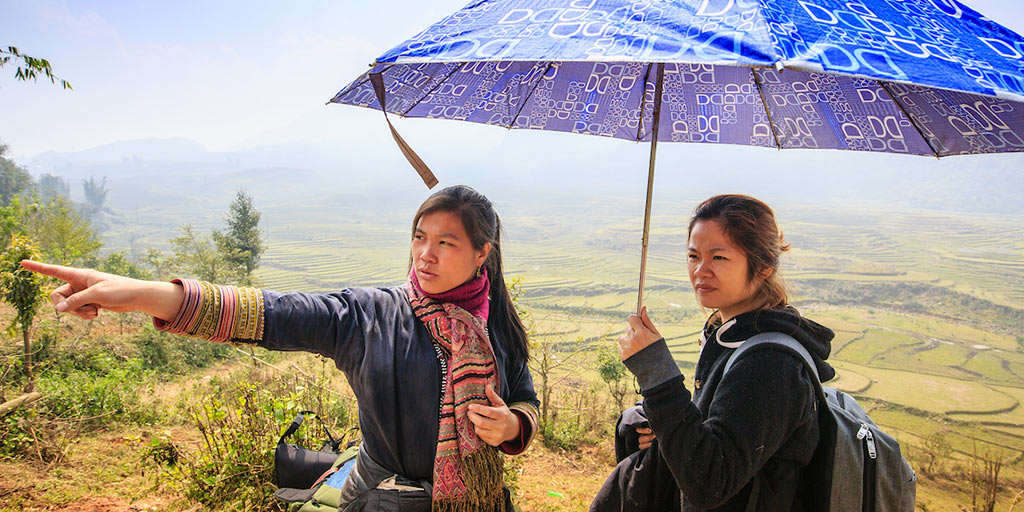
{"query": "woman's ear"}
(482, 254)
(765, 273)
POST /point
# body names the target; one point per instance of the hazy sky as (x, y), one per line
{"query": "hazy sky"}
(226, 74)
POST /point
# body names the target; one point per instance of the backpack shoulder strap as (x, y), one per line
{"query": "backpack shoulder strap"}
(774, 338)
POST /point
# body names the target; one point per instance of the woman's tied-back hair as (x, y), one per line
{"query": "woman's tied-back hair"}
(750, 224)
(483, 226)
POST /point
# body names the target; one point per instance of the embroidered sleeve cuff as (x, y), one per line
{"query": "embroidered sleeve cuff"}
(217, 313)
(653, 365)
(527, 414)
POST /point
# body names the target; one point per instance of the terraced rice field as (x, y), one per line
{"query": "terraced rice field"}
(931, 392)
(924, 371)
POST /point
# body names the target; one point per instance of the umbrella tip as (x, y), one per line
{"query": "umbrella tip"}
(779, 66)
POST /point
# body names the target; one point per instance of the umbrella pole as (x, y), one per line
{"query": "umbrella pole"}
(656, 121)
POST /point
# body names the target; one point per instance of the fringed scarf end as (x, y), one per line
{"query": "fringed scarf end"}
(483, 474)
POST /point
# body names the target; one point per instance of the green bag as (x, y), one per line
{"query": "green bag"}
(325, 494)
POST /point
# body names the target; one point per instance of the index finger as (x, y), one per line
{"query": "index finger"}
(66, 274)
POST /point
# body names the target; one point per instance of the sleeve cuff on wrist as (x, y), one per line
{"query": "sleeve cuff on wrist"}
(653, 365)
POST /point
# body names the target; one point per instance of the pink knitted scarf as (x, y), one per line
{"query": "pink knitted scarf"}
(471, 295)
(467, 471)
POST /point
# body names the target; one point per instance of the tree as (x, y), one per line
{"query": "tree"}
(30, 67)
(23, 290)
(159, 263)
(242, 244)
(64, 236)
(937, 450)
(117, 263)
(51, 186)
(95, 195)
(14, 179)
(614, 373)
(553, 361)
(983, 480)
(199, 257)
(12, 219)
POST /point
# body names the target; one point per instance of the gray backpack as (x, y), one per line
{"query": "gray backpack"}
(856, 467)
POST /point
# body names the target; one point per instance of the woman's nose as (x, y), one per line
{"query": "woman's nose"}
(701, 269)
(426, 253)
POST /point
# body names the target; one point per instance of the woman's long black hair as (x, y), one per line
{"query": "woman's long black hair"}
(483, 227)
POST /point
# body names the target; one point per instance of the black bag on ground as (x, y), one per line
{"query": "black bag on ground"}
(297, 467)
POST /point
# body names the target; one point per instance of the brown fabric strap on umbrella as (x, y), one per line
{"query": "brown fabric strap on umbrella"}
(417, 163)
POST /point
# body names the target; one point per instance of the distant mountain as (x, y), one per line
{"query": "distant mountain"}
(181, 150)
(522, 166)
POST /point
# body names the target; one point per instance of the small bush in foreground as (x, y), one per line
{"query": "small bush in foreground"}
(239, 421)
(75, 403)
(583, 417)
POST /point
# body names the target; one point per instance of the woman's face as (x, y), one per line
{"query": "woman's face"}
(443, 256)
(718, 271)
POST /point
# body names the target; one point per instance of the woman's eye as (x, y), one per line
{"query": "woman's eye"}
(723, 258)
(691, 256)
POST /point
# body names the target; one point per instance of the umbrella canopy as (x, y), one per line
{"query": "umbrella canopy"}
(920, 77)
(925, 77)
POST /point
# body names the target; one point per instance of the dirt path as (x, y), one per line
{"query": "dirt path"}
(553, 481)
(101, 473)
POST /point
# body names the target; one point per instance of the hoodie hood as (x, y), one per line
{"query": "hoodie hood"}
(816, 338)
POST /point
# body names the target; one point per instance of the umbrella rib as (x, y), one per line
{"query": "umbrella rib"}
(354, 86)
(432, 89)
(764, 101)
(643, 104)
(528, 95)
(909, 118)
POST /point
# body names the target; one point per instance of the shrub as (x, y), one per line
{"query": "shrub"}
(88, 385)
(562, 434)
(15, 438)
(75, 403)
(96, 399)
(614, 373)
(584, 419)
(240, 420)
(176, 355)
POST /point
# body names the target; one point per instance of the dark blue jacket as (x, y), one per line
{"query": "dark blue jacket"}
(389, 360)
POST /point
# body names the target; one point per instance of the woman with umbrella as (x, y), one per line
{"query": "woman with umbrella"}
(740, 441)
(438, 366)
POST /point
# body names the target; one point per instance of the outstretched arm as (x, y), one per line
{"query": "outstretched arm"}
(85, 292)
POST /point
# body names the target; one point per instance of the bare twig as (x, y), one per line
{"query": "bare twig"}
(309, 381)
(1017, 498)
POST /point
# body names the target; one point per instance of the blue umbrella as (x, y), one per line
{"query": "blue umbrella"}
(920, 77)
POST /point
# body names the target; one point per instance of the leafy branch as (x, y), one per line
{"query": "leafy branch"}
(30, 68)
